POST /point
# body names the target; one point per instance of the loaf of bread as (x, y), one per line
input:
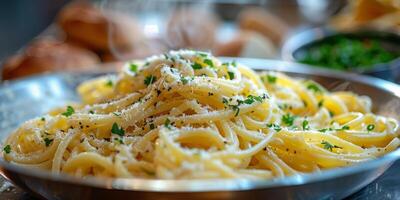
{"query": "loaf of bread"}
(48, 55)
(99, 30)
(247, 44)
(259, 20)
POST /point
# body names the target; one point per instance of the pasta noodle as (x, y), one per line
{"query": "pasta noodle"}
(187, 115)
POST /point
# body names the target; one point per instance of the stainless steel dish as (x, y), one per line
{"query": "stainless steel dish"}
(305, 39)
(31, 97)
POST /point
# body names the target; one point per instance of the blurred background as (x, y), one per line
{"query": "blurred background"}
(61, 35)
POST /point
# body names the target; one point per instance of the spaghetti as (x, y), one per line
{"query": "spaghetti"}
(187, 115)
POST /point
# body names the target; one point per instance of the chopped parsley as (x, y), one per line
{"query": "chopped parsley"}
(231, 75)
(185, 80)
(329, 146)
(345, 127)
(271, 79)
(306, 125)
(152, 126)
(133, 67)
(48, 141)
(168, 57)
(205, 55)
(320, 103)
(370, 127)
(314, 87)
(225, 101)
(236, 109)
(69, 112)
(109, 83)
(251, 99)
(150, 79)
(119, 140)
(7, 149)
(288, 119)
(91, 112)
(117, 114)
(325, 129)
(209, 62)
(167, 123)
(276, 127)
(196, 66)
(115, 129)
(43, 119)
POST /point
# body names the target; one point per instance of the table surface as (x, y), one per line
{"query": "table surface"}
(386, 187)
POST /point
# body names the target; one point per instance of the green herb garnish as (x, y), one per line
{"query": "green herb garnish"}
(315, 88)
(48, 141)
(251, 99)
(325, 129)
(7, 149)
(117, 114)
(204, 55)
(69, 112)
(115, 129)
(209, 62)
(167, 123)
(271, 79)
(288, 119)
(119, 140)
(276, 127)
(109, 83)
(370, 127)
(133, 67)
(150, 79)
(236, 109)
(231, 75)
(225, 101)
(305, 125)
(345, 127)
(184, 80)
(196, 66)
(320, 103)
(329, 146)
(152, 126)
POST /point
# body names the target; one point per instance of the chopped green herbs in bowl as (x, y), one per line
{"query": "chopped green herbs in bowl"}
(369, 52)
(344, 53)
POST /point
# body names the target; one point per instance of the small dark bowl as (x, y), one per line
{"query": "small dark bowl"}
(390, 41)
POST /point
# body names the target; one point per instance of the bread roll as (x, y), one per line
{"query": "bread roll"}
(48, 55)
(247, 44)
(259, 20)
(97, 29)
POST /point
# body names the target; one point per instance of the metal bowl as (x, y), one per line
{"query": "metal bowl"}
(31, 97)
(391, 41)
